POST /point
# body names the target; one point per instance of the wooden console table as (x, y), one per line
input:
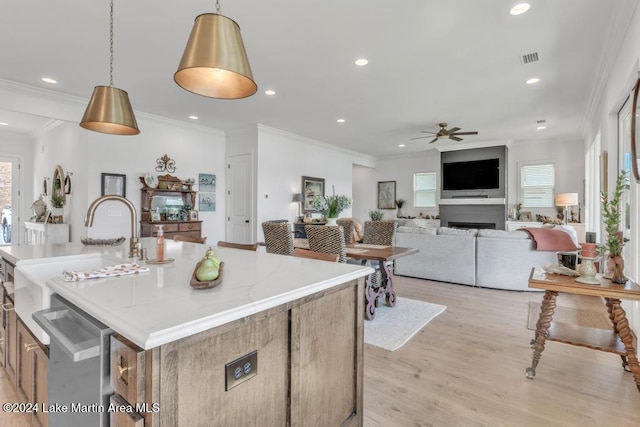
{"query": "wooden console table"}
(619, 340)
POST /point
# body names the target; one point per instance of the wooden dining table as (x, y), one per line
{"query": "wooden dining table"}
(367, 254)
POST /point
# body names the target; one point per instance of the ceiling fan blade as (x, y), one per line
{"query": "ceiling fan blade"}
(467, 133)
(433, 140)
(455, 138)
(426, 131)
(421, 137)
(453, 130)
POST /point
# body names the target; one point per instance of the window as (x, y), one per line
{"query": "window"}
(537, 183)
(424, 189)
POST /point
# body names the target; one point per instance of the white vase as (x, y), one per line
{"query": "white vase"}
(332, 221)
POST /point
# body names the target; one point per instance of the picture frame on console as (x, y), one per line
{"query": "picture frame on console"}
(525, 216)
(311, 187)
(386, 194)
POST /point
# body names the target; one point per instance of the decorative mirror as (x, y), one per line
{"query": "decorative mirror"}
(635, 133)
(58, 199)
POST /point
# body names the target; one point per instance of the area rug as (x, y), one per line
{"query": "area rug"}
(392, 327)
(574, 316)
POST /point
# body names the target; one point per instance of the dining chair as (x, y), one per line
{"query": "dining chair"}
(245, 246)
(188, 238)
(327, 239)
(379, 232)
(347, 226)
(307, 253)
(278, 237)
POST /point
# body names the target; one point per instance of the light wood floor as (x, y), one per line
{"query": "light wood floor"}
(467, 368)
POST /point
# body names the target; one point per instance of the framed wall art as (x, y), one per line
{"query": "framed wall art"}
(114, 184)
(386, 194)
(311, 187)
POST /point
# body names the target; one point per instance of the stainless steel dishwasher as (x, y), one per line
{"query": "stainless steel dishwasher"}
(78, 373)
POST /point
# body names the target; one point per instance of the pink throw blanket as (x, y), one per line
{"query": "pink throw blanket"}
(546, 239)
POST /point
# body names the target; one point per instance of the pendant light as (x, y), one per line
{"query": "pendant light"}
(109, 109)
(215, 63)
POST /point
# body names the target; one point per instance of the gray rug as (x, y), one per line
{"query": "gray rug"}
(394, 326)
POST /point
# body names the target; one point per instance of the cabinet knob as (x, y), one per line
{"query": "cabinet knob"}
(7, 307)
(122, 369)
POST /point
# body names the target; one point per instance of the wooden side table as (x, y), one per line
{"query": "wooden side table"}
(619, 340)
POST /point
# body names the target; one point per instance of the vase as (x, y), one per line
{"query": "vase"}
(332, 221)
(400, 213)
(616, 265)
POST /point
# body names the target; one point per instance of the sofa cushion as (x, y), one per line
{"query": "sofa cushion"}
(416, 230)
(446, 231)
(502, 234)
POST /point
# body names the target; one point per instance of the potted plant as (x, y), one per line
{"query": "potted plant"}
(611, 211)
(331, 206)
(399, 204)
(376, 215)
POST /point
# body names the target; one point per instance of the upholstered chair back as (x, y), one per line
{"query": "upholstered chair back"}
(328, 239)
(278, 238)
(347, 227)
(379, 232)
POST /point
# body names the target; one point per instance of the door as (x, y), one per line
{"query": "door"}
(239, 195)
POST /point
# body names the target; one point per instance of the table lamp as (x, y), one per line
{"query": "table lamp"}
(565, 200)
(297, 198)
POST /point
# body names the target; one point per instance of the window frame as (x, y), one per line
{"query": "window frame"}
(521, 189)
(434, 190)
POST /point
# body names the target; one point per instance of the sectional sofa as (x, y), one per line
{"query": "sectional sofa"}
(488, 258)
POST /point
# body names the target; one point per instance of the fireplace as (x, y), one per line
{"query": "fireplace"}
(476, 225)
(460, 213)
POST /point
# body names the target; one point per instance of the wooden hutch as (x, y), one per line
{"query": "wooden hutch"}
(168, 204)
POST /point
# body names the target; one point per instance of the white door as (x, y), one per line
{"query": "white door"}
(239, 206)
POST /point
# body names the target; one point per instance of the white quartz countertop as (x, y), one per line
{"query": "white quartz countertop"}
(160, 306)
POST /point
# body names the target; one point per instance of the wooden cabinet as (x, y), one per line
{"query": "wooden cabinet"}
(168, 206)
(10, 324)
(128, 379)
(31, 379)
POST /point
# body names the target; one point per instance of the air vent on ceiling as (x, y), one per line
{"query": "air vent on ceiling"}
(529, 58)
(539, 122)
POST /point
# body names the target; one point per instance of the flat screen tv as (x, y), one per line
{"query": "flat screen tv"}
(471, 175)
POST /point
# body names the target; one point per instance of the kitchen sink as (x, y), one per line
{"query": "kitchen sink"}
(31, 291)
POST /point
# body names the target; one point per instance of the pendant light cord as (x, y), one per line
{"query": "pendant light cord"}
(218, 7)
(111, 46)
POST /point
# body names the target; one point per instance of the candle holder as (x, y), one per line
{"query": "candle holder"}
(587, 270)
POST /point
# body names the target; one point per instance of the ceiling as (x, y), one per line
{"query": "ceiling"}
(430, 61)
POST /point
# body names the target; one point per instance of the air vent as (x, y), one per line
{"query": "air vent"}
(529, 58)
(539, 122)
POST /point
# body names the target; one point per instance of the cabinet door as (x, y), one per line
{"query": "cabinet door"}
(11, 356)
(40, 394)
(25, 347)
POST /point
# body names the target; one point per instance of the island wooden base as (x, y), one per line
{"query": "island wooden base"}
(310, 367)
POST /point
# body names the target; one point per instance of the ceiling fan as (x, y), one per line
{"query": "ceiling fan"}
(444, 133)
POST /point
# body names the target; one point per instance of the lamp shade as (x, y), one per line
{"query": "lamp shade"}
(297, 197)
(215, 63)
(109, 111)
(566, 199)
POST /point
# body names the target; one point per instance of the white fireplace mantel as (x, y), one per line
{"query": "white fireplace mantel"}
(474, 201)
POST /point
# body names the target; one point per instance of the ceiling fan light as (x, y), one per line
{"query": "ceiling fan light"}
(214, 62)
(109, 111)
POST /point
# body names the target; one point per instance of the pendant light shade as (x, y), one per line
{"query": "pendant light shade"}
(215, 63)
(109, 111)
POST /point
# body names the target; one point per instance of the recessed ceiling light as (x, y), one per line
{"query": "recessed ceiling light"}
(193, 117)
(49, 80)
(269, 92)
(4, 124)
(519, 9)
(340, 120)
(401, 145)
(533, 80)
(541, 127)
(361, 62)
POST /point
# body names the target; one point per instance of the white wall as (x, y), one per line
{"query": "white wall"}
(616, 88)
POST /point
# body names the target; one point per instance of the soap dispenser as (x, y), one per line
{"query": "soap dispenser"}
(160, 244)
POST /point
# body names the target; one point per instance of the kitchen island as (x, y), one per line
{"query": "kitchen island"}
(301, 320)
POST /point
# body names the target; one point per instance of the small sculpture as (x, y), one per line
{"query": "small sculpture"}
(39, 209)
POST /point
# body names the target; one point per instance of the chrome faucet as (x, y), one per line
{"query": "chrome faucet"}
(133, 242)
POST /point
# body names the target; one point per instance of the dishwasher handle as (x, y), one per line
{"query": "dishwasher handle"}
(79, 347)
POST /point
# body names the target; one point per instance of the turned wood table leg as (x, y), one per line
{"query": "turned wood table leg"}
(544, 322)
(621, 325)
